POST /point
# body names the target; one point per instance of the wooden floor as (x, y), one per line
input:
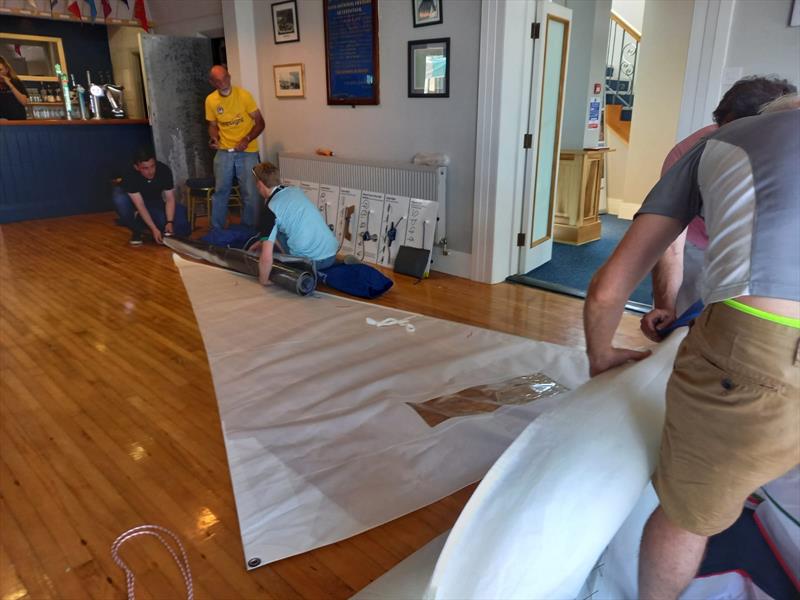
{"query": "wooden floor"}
(109, 421)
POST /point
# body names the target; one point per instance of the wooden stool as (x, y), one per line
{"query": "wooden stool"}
(200, 191)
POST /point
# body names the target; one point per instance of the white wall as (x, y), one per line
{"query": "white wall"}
(186, 17)
(658, 90)
(632, 11)
(123, 45)
(586, 65)
(400, 126)
(616, 169)
(761, 42)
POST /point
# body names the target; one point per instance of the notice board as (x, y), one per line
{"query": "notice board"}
(351, 51)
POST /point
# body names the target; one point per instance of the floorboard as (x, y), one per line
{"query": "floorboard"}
(108, 420)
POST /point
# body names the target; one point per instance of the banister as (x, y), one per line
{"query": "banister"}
(620, 20)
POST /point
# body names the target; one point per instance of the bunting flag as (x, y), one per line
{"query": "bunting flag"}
(140, 14)
(53, 4)
(18, 49)
(125, 2)
(92, 9)
(106, 8)
(74, 8)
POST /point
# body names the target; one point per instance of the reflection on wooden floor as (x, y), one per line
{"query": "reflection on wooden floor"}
(109, 421)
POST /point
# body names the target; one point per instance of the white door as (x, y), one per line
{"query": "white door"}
(550, 52)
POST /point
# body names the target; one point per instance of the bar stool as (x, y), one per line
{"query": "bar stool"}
(200, 191)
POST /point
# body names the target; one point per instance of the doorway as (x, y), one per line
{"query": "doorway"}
(600, 188)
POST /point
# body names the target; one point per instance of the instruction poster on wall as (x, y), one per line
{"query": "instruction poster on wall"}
(311, 190)
(328, 204)
(370, 215)
(348, 219)
(421, 223)
(393, 228)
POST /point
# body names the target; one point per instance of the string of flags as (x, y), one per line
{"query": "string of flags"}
(73, 6)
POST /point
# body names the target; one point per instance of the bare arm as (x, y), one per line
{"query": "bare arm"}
(169, 209)
(255, 131)
(18, 96)
(213, 134)
(138, 202)
(646, 240)
(668, 274)
(265, 262)
(667, 280)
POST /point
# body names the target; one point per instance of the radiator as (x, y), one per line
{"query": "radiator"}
(396, 178)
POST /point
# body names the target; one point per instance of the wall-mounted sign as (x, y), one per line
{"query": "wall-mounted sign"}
(351, 51)
(594, 113)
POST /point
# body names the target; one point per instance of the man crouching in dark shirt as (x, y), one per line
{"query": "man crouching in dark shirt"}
(145, 199)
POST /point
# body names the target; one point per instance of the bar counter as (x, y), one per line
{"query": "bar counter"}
(59, 168)
(75, 122)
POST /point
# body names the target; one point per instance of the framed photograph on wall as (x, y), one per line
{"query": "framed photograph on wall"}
(429, 68)
(290, 80)
(285, 26)
(427, 12)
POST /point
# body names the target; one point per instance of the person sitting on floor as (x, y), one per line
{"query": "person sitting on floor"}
(145, 198)
(289, 218)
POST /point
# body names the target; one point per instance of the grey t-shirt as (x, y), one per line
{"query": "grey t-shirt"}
(745, 182)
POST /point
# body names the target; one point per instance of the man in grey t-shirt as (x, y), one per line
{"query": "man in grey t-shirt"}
(732, 421)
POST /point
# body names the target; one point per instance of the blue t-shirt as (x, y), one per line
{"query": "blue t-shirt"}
(306, 232)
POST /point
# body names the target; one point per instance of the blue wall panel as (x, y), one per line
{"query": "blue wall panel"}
(59, 170)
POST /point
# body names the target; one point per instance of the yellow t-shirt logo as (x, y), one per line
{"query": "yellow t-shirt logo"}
(237, 122)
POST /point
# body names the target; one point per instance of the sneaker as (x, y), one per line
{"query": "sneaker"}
(136, 239)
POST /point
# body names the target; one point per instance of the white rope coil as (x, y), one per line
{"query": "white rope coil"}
(155, 531)
(388, 322)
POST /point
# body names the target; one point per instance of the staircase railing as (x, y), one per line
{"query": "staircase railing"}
(623, 53)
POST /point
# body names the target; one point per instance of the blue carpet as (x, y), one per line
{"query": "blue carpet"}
(572, 267)
(743, 547)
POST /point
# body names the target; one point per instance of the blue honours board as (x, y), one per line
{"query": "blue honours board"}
(351, 48)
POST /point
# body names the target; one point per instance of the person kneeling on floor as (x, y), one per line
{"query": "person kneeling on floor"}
(289, 218)
(145, 199)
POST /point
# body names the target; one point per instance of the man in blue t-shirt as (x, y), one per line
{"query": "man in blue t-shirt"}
(289, 218)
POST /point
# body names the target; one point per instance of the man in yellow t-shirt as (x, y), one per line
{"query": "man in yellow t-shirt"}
(234, 124)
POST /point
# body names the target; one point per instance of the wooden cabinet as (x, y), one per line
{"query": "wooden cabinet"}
(579, 175)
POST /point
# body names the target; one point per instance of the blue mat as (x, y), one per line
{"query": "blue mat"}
(572, 267)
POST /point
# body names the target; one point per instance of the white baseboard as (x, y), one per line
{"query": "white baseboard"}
(628, 209)
(455, 263)
(613, 205)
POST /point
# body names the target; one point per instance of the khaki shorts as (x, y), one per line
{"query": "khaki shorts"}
(733, 417)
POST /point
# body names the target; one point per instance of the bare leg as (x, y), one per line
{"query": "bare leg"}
(669, 558)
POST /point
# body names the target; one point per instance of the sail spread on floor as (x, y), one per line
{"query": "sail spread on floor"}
(317, 407)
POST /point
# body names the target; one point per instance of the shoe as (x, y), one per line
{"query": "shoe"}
(136, 239)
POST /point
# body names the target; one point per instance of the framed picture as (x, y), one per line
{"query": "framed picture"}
(290, 80)
(429, 68)
(427, 12)
(352, 61)
(285, 27)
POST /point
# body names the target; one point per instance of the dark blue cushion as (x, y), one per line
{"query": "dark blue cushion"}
(236, 236)
(358, 280)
